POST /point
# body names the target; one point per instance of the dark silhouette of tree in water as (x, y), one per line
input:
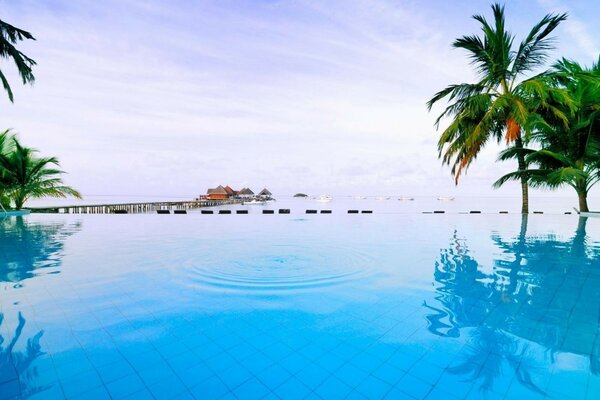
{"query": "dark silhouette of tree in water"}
(16, 369)
(524, 289)
(29, 246)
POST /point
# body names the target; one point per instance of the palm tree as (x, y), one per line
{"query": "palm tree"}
(5, 149)
(502, 103)
(30, 177)
(569, 155)
(9, 37)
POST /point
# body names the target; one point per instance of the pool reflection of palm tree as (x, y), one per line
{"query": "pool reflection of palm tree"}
(29, 246)
(16, 370)
(501, 306)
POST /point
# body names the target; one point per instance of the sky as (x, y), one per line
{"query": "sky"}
(167, 99)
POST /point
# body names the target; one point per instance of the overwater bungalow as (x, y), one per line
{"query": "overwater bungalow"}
(265, 193)
(218, 193)
(245, 193)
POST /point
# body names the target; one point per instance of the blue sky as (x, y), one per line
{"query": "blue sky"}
(169, 98)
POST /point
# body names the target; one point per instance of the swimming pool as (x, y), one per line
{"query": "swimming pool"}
(300, 306)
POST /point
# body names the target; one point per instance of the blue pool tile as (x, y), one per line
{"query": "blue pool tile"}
(9, 373)
(277, 351)
(204, 352)
(403, 360)
(453, 384)
(143, 394)
(413, 386)
(292, 389)
(167, 388)
(294, 362)
(112, 372)
(187, 360)
(145, 360)
(81, 383)
(313, 375)
(125, 386)
(155, 372)
(175, 348)
(330, 362)
(373, 388)
(440, 394)
(312, 351)
(257, 362)
(242, 351)
(252, 389)
(275, 375)
(427, 372)
(332, 388)
(351, 375)
(98, 393)
(235, 376)
(388, 373)
(187, 395)
(355, 395)
(194, 375)
(211, 388)
(366, 361)
(101, 357)
(10, 389)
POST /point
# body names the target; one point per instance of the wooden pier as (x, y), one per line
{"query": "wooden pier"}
(132, 208)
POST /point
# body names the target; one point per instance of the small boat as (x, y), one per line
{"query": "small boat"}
(360, 197)
(444, 198)
(324, 198)
(406, 198)
(254, 202)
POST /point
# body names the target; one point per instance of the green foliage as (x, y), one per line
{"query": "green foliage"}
(9, 38)
(569, 153)
(23, 175)
(502, 103)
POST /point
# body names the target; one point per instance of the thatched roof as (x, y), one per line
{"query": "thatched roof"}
(229, 190)
(218, 190)
(265, 192)
(246, 191)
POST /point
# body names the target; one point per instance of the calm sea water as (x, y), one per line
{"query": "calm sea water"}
(388, 305)
(391, 204)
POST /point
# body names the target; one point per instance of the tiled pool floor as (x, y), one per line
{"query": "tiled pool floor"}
(394, 307)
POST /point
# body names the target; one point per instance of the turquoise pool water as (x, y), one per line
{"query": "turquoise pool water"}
(300, 306)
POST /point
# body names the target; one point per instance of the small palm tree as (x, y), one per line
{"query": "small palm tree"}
(503, 102)
(26, 176)
(6, 147)
(9, 37)
(569, 155)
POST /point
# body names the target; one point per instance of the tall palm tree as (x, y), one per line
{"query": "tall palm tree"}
(569, 155)
(32, 177)
(9, 38)
(503, 102)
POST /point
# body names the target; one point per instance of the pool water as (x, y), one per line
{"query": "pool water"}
(300, 307)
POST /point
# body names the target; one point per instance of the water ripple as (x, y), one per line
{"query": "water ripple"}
(277, 268)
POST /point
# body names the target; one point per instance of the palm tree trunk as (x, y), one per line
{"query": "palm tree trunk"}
(583, 206)
(524, 185)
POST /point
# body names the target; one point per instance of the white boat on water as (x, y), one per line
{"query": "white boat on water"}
(254, 203)
(406, 198)
(324, 198)
(444, 198)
